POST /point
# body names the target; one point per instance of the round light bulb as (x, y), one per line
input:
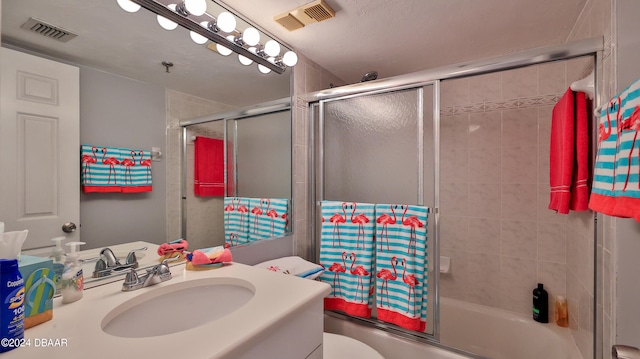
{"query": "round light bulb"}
(245, 60)
(263, 69)
(251, 36)
(166, 23)
(226, 22)
(272, 48)
(196, 7)
(197, 38)
(223, 50)
(128, 6)
(290, 58)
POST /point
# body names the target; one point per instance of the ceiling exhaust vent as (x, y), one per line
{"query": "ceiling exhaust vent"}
(299, 17)
(48, 30)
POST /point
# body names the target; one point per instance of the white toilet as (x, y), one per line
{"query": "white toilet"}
(342, 347)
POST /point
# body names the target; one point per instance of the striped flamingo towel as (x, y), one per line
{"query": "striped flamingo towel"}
(236, 221)
(267, 217)
(101, 170)
(111, 169)
(346, 253)
(136, 169)
(616, 183)
(401, 265)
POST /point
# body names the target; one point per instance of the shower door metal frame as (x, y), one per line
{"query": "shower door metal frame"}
(590, 47)
(434, 212)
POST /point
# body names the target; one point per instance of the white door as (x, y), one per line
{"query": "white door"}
(39, 147)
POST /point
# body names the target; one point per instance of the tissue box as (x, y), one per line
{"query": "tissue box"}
(39, 289)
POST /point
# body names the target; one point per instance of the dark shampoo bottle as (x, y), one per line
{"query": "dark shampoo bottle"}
(540, 304)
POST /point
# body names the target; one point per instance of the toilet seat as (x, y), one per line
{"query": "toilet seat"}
(336, 346)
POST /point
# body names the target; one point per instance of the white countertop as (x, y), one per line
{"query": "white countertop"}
(79, 324)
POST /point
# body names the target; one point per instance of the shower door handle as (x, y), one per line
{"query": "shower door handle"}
(625, 352)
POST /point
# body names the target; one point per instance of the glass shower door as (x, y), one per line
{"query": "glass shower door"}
(379, 149)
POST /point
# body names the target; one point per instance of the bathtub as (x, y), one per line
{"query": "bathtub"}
(485, 331)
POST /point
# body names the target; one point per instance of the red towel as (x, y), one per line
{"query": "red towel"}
(208, 167)
(569, 154)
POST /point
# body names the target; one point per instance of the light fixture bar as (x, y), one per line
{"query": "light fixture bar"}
(189, 24)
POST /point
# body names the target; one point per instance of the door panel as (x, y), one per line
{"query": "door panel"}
(39, 147)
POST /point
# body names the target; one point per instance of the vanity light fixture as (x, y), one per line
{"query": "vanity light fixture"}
(191, 14)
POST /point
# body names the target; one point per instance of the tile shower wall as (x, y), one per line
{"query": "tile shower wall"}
(495, 224)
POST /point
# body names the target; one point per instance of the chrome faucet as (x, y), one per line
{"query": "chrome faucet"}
(108, 262)
(155, 275)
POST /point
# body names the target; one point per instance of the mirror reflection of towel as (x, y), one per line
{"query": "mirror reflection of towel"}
(208, 167)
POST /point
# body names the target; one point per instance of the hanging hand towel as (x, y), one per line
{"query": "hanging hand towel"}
(346, 253)
(266, 218)
(101, 170)
(208, 167)
(616, 186)
(137, 171)
(236, 221)
(569, 157)
(402, 243)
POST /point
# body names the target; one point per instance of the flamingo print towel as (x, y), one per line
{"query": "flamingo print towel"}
(101, 170)
(267, 217)
(616, 185)
(401, 265)
(111, 169)
(236, 221)
(346, 253)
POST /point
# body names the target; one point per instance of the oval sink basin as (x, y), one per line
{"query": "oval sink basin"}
(175, 308)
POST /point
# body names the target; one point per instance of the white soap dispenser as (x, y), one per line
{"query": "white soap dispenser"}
(72, 277)
(59, 258)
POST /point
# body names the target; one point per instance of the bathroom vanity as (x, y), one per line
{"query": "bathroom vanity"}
(234, 311)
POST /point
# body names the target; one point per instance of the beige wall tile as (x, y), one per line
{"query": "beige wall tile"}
(552, 242)
(454, 231)
(454, 132)
(485, 165)
(520, 165)
(484, 200)
(454, 198)
(484, 88)
(484, 236)
(454, 284)
(485, 129)
(483, 281)
(520, 83)
(552, 78)
(519, 239)
(454, 165)
(520, 127)
(517, 281)
(519, 201)
(454, 93)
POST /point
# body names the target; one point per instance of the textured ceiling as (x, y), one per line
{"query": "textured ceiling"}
(389, 36)
(400, 36)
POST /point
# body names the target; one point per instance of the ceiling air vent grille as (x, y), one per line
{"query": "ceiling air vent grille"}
(299, 17)
(319, 12)
(48, 30)
(288, 21)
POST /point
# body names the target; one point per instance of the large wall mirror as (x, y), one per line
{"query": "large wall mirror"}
(129, 98)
